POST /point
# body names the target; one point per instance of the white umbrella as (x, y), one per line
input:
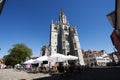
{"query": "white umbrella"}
(30, 61)
(57, 58)
(71, 57)
(41, 59)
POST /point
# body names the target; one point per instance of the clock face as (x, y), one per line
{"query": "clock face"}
(1, 1)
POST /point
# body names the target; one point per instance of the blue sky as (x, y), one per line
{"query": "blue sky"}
(28, 22)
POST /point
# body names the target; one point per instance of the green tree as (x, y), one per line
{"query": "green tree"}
(18, 54)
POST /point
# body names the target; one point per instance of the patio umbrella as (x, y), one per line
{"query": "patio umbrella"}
(57, 58)
(41, 59)
(31, 61)
(71, 57)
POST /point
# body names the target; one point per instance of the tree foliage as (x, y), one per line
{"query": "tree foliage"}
(18, 54)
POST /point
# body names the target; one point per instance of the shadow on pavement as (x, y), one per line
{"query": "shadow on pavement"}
(52, 77)
(110, 73)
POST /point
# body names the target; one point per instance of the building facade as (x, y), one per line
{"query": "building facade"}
(96, 58)
(115, 57)
(45, 50)
(114, 18)
(64, 39)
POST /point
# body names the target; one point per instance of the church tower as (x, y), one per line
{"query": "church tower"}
(64, 38)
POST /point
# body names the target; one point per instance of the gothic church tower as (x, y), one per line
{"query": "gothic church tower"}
(64, 38)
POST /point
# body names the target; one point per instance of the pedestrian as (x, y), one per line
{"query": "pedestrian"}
(78, 67)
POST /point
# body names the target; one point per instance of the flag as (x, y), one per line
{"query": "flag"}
(115, 37)
(1, 5)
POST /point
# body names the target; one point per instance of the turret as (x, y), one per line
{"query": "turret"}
(62, 17)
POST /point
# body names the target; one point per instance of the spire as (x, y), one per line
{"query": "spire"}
(62, 17)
